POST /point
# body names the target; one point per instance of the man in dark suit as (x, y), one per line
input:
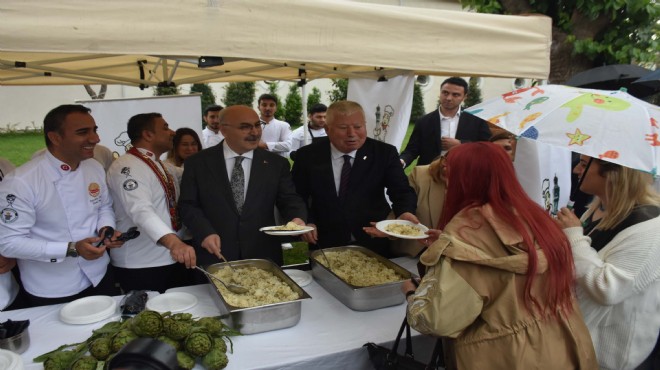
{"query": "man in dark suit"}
(342, 206)
(445, 127)
(230, 190)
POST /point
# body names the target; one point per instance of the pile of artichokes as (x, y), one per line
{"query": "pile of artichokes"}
(204, 338)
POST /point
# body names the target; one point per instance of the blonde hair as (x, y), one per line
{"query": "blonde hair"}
(625, 189)
(343, 107)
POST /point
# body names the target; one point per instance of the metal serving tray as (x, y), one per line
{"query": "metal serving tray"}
(360, 298)
(261, 318)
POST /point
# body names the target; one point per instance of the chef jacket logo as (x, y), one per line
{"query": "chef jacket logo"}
(130, 184)
(126, 171)
(94, 189)
(9, 214)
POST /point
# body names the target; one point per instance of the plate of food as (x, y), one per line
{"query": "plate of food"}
(403, 229)
(290, 228)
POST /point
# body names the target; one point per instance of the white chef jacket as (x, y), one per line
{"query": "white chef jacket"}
(44, 206)
(8, 289)
(298, 136)
(277, 135)
(140, 200)
(210, 138)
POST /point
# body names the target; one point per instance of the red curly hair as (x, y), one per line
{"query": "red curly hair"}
(481, 173)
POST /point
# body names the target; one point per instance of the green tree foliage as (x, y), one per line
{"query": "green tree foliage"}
(272, 90)
(239, 93)
(589, 33)
(474, 93)
(339, 89)
(417, 104)
(293, 107)
(207, 98)
(166, 90)
(313, 98)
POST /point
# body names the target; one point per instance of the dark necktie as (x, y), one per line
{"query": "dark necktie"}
(238, 183)
(345, 175)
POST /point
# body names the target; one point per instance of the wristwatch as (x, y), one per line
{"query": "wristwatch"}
(71, 250)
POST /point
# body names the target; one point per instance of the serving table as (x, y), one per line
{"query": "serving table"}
(328, 336)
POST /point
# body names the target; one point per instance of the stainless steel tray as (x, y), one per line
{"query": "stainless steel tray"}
(261, 318)
(360, 298)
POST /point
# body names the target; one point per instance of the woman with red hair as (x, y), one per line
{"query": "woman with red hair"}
(500, 274)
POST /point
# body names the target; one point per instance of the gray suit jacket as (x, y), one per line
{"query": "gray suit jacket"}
(206, 205)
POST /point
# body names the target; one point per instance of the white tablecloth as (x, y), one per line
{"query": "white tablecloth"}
(328, 336)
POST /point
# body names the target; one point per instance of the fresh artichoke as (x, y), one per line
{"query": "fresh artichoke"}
(211, 324)
(176, 329)
(185, 360)
(215, 360)
(148, 324)
(60, 360)
(101, 348)
(198, 344)
(219, 343)
(174, 343)
(85, 363)
(121, 339)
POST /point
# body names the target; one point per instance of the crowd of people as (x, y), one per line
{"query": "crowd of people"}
(504, 284)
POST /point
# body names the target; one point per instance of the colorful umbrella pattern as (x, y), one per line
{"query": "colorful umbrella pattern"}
(611, 125)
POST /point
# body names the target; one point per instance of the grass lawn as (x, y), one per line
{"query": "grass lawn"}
(19, 147)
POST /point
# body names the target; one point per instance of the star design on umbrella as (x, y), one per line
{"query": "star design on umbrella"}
(577, 138)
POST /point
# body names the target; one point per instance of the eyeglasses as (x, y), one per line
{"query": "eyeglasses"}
(246, 127)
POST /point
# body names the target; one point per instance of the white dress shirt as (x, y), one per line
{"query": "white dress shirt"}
(277, 135)
(45, 206)
(140, 200)
(338, 163)
(298, 137)
(210, 138)
(449, 125)
(230, 158)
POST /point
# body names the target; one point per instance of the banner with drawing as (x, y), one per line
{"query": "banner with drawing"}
(387, 106)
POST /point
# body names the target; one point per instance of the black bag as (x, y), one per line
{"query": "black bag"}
(388, 359)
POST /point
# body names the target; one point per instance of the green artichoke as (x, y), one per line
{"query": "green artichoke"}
(185, 360)
(121, 339)
(215, 360)
(101, 348)
(198, 344)
(182, 316)
(85, 363)
(60, 360)
(177, 329)
(174, 343)
(148, 324)
(211, 324)
(219, 343)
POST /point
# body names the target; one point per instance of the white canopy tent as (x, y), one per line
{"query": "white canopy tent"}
(142, 43)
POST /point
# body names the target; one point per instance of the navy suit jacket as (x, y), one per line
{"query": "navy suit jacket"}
(206, 205)
(376, 167)
(425, 139)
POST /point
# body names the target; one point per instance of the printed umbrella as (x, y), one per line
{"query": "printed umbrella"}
(611, 125)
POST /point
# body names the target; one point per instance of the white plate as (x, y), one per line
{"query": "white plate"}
(382, 224)
(88, 310)
(271, 230)
(10, 360)
(173, 302)
(301, 278)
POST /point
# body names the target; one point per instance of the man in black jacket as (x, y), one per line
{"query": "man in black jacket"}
(445, 127)
(343, 179)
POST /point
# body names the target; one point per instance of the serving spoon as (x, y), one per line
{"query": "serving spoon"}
(234, 288)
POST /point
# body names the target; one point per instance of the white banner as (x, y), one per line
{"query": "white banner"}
(386, 104)
(544, 171)
(112, 115)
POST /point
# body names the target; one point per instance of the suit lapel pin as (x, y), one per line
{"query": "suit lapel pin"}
(364, 158)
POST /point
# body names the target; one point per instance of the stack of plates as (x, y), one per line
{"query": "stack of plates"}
(172, 302)
(301, 278)
(10, 360)
(88, 310)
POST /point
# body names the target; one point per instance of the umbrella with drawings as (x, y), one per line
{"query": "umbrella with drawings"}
(610, 125)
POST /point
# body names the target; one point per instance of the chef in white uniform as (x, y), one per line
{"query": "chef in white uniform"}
(52, 211)
(145, 191)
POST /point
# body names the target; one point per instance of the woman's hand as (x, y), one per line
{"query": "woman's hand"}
(566, 218)
(374, 232)
(433, 234)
